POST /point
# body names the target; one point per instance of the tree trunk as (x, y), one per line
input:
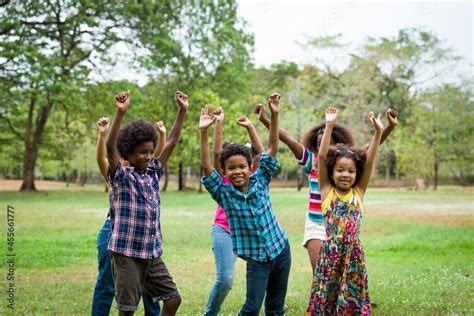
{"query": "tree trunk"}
(84, 179)
(78, 177)
(29, 170)
(180, 177)
(32, 146)
(395, 167)
(387, 167)
(435, 175)
(299, 178)
(165, 185)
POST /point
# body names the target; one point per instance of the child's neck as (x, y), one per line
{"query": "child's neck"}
(244, 189)
(342, 192)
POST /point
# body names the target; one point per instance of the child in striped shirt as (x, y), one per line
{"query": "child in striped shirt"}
(306, 156)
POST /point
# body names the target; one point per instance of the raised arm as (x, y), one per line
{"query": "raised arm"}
(295, 146)
(217, 142)
(392, 120)
(175, 132)
(205, 121)
(274, 105)
(323, 176)
(161, 129)
(371, 152)
(101, 156)
(252, 131)
(122, 100)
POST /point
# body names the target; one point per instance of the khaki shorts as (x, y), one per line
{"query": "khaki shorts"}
(313, 230)
(133, 276)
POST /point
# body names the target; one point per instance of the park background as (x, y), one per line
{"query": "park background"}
(62, 62)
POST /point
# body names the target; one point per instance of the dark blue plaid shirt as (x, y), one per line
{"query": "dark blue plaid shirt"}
(256, 233)
(135, 211)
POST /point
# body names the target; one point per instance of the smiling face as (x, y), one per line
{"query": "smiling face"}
(344, 174)
(237, 170)
(142, 155)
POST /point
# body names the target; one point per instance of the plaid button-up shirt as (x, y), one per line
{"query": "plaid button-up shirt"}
(255, 231)
(135, 211)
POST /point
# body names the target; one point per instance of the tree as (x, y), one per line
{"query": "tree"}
(47, 51)
(439, 132)
(208, 56)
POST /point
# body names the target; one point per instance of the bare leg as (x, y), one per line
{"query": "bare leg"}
(171, 306)
(313, 246)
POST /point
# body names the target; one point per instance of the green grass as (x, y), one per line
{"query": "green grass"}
(419, 250)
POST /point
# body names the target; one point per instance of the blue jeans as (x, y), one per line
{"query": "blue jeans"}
(225, 265)
(104, 291)
(270, 277)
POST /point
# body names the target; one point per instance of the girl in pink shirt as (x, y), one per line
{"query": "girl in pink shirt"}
(221, 240)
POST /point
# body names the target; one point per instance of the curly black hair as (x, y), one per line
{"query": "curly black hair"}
(234, 149)
(340, 134)
(134, 133)
(340, 151)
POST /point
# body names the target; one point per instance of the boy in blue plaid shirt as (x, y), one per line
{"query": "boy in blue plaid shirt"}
(136, 242)
(257, 237)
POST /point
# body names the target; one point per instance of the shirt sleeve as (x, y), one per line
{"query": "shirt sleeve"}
(267, 167)
(308, 160)
(213, 185)
(157, 167)
(114, 177)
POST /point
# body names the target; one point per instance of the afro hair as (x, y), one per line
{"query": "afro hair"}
(133, 134)
(340, 135)
(233, 149)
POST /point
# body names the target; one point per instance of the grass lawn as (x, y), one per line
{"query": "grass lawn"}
(419, 248)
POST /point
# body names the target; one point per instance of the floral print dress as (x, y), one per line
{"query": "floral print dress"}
(340, 280)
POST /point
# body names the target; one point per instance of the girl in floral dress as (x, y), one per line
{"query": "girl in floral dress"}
(340, 279)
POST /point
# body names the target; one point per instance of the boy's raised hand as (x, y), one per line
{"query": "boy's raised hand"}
(243, 121)
(376, 121)
(122, 100)
(103, 125)
(331, 114)
(206, 118)
(392, 116)
(160, 127)
(219, 114)
(274, 102)
(182, 100)
(259, 110)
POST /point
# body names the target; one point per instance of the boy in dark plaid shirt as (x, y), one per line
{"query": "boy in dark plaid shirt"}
(257, 237)
(136, 242)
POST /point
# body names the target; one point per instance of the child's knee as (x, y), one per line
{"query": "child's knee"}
(225, 281)
(173, 303)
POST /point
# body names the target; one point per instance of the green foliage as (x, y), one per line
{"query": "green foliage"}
(204, 49)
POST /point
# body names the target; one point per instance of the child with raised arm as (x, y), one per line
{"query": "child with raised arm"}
(340, 284)
(104, 291)
(224, 256)
(306, 156)
(136, 242)
(257, 237)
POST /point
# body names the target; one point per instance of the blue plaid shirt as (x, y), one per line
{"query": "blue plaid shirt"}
(256, 233)
(135, 211)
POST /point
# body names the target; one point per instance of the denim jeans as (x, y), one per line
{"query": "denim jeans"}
(269, 277)
(104, 291)
(225, 265)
